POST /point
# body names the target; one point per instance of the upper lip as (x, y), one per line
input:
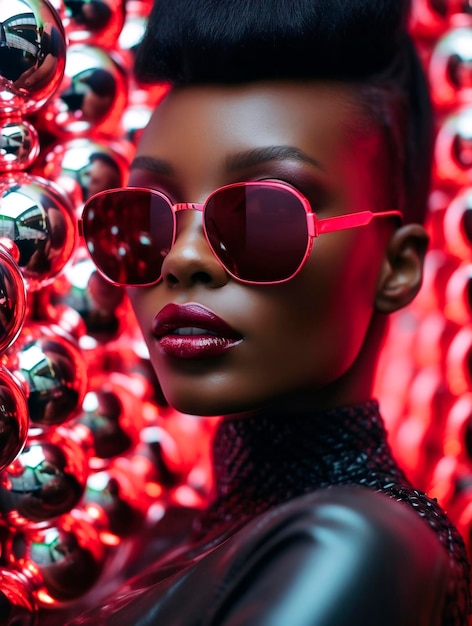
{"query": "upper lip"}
(190, 315)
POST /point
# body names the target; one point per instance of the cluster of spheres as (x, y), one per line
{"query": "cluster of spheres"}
(90, 455)
(425, 376)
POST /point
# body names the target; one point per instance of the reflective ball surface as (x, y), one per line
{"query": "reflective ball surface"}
(62, 562)
(453, 148)
(19, 144)
(83, 167)
(37, 216)
(18, 606)
(450, 69)
(97, 22)
(113, 498)
(55, 373)
(113, 416)
(92, 96)
(45, 481)
(12, 299)
(457, 224)
(32, 54)
(100, 304)
(13, 418)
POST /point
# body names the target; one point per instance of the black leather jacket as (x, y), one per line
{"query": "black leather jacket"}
(313, 524)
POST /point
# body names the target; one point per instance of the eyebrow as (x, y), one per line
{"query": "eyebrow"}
(156, 166)
(258, 156)
(239, 161)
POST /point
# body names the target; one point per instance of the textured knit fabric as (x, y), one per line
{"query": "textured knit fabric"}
(265, 461)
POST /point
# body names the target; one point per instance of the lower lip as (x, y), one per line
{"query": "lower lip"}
(196, 346)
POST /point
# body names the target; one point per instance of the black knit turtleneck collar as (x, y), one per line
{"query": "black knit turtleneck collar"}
(263, 461)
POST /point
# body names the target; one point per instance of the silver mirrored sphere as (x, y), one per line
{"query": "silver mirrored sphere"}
(19, 144)
(13, 419)
(37, 216)
(32, 54)
(45, 481)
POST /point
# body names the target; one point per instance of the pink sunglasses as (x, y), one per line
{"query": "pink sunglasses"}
(261, 232)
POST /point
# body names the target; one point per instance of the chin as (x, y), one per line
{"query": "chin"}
(203, 406)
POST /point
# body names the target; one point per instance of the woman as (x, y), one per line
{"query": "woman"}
(255, 310)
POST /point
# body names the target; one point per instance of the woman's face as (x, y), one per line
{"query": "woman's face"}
(290, 342)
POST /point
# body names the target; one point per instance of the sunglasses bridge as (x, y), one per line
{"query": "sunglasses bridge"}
(187, 206)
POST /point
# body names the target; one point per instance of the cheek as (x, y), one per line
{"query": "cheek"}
(328, 315)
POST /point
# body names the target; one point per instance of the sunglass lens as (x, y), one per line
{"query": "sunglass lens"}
(128, 234)
(259, 232)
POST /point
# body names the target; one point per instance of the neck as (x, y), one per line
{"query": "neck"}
(263, 461)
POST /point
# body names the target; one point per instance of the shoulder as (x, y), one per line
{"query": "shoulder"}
(347, 555)
(342, 556)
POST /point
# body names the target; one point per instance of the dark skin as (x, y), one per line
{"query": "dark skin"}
(308, 344)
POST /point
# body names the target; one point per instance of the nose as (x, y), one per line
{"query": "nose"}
(190, 260)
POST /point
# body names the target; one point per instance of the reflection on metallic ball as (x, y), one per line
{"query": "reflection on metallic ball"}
(37, 216)
(45, 481)
(32, 55)
(55, 373)
(63, 561)
(112, 414)
(83, 167)
(137, 12)
(19, 144)
(18, 606)
(92, 96)
(97, 22)
(451, 8)
(114, 500)
(13, 418)
(458, 225)
(453, 148)
(12, 299)
(450, 69)
(101, 305)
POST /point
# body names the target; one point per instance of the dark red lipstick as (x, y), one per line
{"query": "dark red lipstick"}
(191, 331)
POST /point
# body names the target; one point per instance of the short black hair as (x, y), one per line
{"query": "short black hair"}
(361, 42)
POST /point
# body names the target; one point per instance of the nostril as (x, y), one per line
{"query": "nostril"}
(195, 278)
(201, 277)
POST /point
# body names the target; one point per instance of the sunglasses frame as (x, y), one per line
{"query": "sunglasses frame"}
(315, 226)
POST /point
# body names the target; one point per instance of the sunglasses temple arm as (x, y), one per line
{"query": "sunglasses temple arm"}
(352, 220)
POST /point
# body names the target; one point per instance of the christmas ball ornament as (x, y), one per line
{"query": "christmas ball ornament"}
(13, 418)
(61, 562)
(32, 55)
(36, 215)
(45, 481)
(54, 371)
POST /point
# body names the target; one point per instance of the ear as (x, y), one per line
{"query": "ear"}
(401, 274)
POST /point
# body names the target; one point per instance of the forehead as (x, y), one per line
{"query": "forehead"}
(197, 129)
